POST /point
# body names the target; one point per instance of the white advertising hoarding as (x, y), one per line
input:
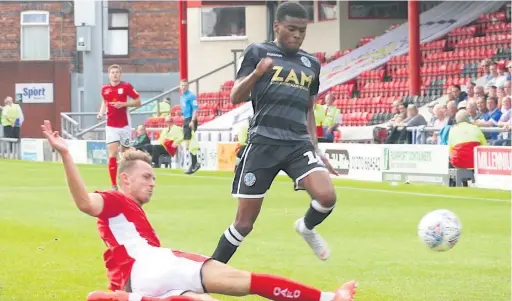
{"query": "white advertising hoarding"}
(34, 92)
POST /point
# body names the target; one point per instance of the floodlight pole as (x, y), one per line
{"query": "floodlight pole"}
(414, 48)
(183, 47)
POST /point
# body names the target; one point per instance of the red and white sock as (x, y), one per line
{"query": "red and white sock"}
(112, 170)
(281, 289)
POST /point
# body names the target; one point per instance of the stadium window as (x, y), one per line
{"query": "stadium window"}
(377, 10)
(35, 35)
(117, 39)
(327, 10)
(223, 23)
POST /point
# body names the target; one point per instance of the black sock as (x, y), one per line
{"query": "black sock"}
(194, 160)
(316, 214)
(228, 243)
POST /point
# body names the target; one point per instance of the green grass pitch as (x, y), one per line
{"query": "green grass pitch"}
(51, 251)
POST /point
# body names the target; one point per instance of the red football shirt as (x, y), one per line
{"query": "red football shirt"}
(126, 231)
(117, 118)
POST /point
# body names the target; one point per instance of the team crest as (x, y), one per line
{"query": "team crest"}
(305, 61)
(249, 179)
(120, 91)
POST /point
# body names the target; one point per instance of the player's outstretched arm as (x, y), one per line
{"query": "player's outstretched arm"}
(90, 203)
(312, 122)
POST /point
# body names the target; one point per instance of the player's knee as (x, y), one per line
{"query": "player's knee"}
(326, 198)
(244, 227)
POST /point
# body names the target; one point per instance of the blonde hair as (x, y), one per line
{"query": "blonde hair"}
(114, 67)
(130, 157)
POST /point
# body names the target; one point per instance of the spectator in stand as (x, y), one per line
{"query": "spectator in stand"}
(451, 110)
(481, 104)
(163, 108)
(502, 75)
(414, 119)
(332, 118)
(479, 91)
(484, 65)
(493, 75)
(492, 91)
(501, 94)
(142, 141)
(491, 118)
(504, 122)
(470, 92)
(509, 73)
(472, 110)
(170, 138)
(440, 121)
(508, 90)
(462, 139)
(457, 94)
(470, 88)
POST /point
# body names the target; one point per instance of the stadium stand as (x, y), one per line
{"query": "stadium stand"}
(368, 99)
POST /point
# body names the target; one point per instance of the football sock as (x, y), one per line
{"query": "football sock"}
(228, 243)
(281, 289)
(194, 160)
(316, 214)
(112, 170)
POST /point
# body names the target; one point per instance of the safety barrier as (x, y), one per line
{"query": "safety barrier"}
(400, 163)
(9, 148)
(421, 133)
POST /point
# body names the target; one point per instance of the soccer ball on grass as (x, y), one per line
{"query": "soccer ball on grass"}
(440, 230)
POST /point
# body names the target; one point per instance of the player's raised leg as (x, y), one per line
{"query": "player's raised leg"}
(308, 173)
(323, 199)
(219, 278)
(253, 178)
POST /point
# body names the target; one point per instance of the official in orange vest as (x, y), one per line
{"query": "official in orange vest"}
(462, 140)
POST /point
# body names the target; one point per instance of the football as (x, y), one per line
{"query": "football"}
(440, 230)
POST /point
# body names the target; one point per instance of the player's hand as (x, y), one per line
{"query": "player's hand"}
(191, 124)
(175, 144)
(263, 66)
(328, 164)
(118, 104)
(54, 138)
(99, 117)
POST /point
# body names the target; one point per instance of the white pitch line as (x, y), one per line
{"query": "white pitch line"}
(364, 189)
(219, 178)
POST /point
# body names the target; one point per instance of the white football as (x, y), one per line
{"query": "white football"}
(440, 230)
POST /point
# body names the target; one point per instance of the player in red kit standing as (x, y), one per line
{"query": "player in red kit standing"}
(139, 269)
(116, 103)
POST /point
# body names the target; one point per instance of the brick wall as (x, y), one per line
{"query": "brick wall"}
(56, 72)
(153, 34)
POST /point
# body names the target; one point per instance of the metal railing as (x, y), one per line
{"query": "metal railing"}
(421, 133)
(10, 148)
(70, 127)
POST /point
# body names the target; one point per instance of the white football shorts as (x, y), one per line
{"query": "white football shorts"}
(121, 135)
(165, 272)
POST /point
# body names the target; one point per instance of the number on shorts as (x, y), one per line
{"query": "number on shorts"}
(312, 158)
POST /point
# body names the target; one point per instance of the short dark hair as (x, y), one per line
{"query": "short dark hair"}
(493, 99)
(291, 9)
(457, 87)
